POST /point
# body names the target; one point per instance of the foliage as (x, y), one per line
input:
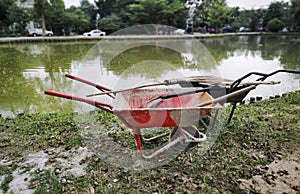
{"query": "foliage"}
(76, 21)
(47, 182)
(176, 13)
(20, 16)
(4, 15)
(12, 15)
(149, 11)
(91, 12)
(295, 14)
(105, 7)
(40, 8)
(218, 14)
(116, 14)
(275, 10)
(275, 25)
(110, 24)
(57, 12)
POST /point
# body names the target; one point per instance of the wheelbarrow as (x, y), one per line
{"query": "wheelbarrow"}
(181, 111)
(215, 86)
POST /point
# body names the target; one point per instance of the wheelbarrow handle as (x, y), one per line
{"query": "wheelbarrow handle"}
(87, 82)
(105, 107)
(264, 76)
(99, 87)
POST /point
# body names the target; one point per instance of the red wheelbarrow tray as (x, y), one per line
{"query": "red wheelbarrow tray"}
(177, 112)
(174, 112)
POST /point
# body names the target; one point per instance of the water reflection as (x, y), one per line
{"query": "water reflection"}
(285, 48)
(27, 70)
(238, 56)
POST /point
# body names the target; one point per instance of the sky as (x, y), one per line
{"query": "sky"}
(249, 4)
(243, 4)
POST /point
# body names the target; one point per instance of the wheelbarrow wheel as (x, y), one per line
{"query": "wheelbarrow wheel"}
(193, 131)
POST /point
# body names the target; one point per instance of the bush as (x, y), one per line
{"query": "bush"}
(275, 25)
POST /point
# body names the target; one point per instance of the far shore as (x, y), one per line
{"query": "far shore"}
(79, 38)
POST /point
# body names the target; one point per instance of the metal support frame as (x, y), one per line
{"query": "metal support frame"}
(231, 112)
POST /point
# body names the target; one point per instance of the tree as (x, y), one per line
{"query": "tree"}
(176, 13)
(295, 14)
(255, 19)
(275, 25)
(40, 7)
(105, 7)
(13, 19)
(166, 12)
(275, 10)
(57, 16)
(20, 17)
(110, 24)
(90, 11)
(202, 12)
(5, 20)
(157, 12)
(76, 20)
(218, 14)
(148, 11)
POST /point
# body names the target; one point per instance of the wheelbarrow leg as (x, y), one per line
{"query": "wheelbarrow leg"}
(231, 113)
(137, 138)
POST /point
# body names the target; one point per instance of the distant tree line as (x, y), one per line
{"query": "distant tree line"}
(112, 15)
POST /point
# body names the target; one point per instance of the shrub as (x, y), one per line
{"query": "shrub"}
(275, 25)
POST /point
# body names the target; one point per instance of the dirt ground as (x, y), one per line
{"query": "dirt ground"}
(281, 176)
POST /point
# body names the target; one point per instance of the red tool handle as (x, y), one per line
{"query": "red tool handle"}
(87, 82)
(101, 88)
(105, 107)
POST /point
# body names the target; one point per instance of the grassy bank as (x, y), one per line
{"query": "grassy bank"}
(258, 134)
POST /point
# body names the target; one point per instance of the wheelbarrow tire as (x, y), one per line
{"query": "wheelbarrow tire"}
(185, 145)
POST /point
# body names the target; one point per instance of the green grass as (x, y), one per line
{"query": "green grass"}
(258, 134)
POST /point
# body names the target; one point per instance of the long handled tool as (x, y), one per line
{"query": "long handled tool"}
(155, 102)
(128, 89)
(230, 95)
(200, 81)
(204, 81)
(158, 100)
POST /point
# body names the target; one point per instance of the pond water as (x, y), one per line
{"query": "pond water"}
(28, 69)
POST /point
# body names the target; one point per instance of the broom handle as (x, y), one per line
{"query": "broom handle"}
(224, 98)
(123, 90)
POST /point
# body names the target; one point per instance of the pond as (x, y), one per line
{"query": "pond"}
(29, 69)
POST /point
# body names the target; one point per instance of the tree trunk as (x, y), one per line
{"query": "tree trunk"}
(43, 23)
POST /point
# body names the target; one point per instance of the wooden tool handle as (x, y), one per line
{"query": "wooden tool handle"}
(230, 95)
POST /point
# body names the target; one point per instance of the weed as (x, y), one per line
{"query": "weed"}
(5, 183)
